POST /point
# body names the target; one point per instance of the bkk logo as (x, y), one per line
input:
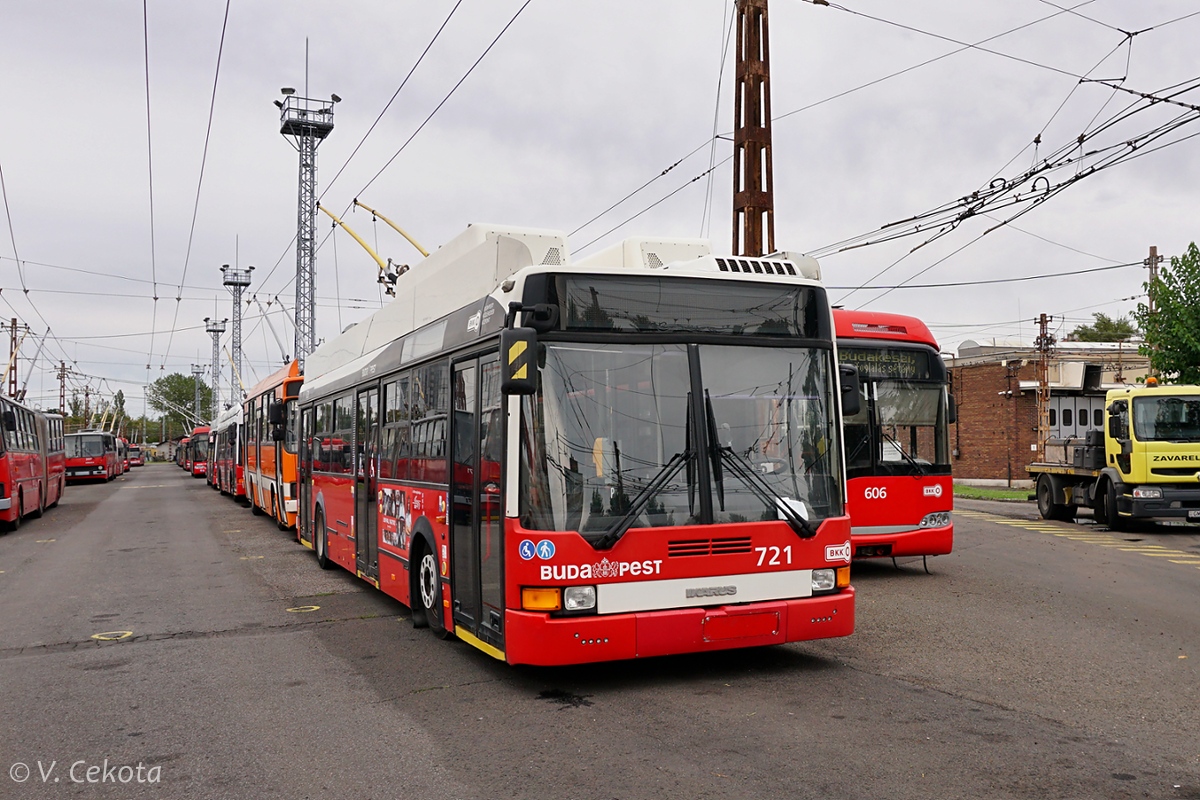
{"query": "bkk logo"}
(602, 569)
(933, 491)
(838, 552)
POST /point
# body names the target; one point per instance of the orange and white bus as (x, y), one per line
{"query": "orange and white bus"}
(271, 439)
(638, 454)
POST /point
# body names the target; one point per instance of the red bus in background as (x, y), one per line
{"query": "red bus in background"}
(54, 456)
(270, 454)
(122, 455)
(227, 472)
(900, 491)
(136, 458)
(181, 454)
(657, 470)
(197, 449)
(91, 456)
(23, 464)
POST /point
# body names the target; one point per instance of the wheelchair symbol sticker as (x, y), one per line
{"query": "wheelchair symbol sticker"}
(527, 550)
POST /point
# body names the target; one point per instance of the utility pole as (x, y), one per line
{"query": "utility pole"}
(1045, 345)
(215, 329)
(236, 280)
(62, 387)
(1152, 261)
(753, 184)
(306, 122)
(12, 359)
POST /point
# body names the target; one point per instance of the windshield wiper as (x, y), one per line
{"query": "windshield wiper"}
(750, 477)
(618, 529)
(904, 453)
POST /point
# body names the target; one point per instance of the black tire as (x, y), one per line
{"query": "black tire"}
(1046, 505)
(321, 541)
(1112, 517)
(428, 599)
(254, 507)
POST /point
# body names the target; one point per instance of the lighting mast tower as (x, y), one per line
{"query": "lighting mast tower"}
(305, 122)
(197, 373)
(753, 185)
(237, 280)
(215, 328)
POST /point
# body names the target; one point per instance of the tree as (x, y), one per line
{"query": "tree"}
(175, 397)
(1172, 332)
(1104, 329)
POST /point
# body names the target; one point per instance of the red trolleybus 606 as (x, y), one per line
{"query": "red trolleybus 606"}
(227, 473)
(23, 464)
(271, 435)
(91, 456)
(897, 447)
(649, 463)
(136, 457)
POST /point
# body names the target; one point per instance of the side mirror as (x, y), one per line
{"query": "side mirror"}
(275, 413)
(851, 395)
(952, 411)
(277, 433)
(518, 349)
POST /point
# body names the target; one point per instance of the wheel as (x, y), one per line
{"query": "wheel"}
(429, 594)
(255, 509)
(321, 542)
(1046, 505)
(1111, 516)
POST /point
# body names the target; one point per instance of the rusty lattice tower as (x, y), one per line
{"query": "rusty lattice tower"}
(753, 185)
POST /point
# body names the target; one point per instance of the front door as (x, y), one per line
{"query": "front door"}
(366, 480)
(477, 523)
(304, 477)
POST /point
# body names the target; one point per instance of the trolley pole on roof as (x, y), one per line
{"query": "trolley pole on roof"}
(215, 329)
(237, 280)
(306, 122)
(753, 185)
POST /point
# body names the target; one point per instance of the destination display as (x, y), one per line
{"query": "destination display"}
(888, 362)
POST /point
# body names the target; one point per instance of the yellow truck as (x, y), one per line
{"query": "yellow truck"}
(1143, 466)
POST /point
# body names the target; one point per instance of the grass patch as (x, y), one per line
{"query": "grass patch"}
(990, 493)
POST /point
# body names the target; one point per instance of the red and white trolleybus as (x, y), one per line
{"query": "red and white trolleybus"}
(31, 463)
(226, 473)
(91, 456)
(634, 455)
(901, 494)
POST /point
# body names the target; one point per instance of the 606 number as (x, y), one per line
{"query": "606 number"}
(875, 493)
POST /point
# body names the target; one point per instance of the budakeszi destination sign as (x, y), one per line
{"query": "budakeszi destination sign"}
(887, 362)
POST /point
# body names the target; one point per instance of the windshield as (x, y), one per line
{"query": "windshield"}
(84, 446)
(1167, 419)
(621, 435)
(901, 430)
(199, 445)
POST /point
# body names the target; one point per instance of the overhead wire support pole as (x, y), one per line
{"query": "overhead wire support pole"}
(306, 122)
(753, 184)
(1045, 346)
(197, 373)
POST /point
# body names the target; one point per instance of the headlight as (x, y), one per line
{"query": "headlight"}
(824, 579)
(579, 598)
(938, 519)
(1148, 492)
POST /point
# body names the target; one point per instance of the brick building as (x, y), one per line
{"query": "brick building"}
(995, 387)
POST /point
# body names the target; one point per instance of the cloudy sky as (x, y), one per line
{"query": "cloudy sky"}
(140, 152)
